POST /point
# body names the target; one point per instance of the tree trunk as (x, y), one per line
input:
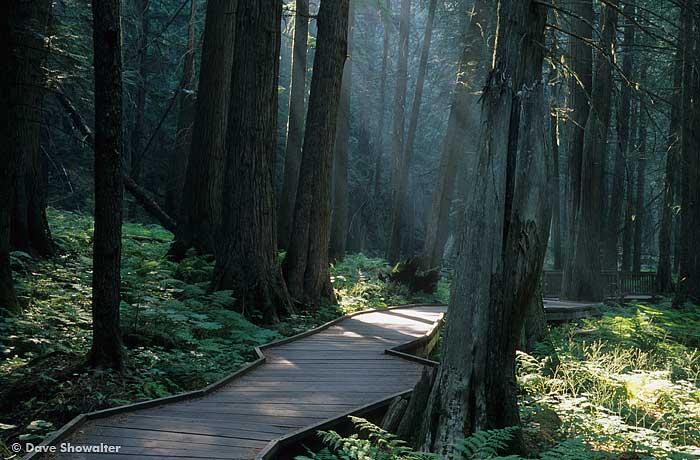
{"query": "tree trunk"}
(185, 118)
(29, 226)
(295, 123)
(200, 213)
(246, 252)
(107, 349)
(581, 85)
(556, 186)
(8, 298)
(502, 242)
(306, 263)
(339, 219)
(463, 122)
(628, 224)
(612, 222)
(138, 131)
(400, 194)
(397, 132)
(689, 269)
(535, 327)
(582, 279)
(640, 212)
(664, 281)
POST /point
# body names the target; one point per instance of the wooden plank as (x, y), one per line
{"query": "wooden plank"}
(133, 437)
(196, 424)
(146, 430)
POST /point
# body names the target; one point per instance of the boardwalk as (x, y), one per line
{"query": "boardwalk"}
(300, 384)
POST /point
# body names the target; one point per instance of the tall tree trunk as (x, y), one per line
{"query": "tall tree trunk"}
(29, 226)
(556, 186)
(306, 264)
(138, 130)
(613, 219)
(183, 135)
(398, 129)
(582, 278)
(640, 212)
(462, 122)
(689, 268)
(581, 85)
(295, 123)
(664, 281)
(200, 213)
(502, 242)
(107, 349)
(246, 253)
(339, 220)
(628, 223)
(376, 223)
(400, 194)
(8, 55)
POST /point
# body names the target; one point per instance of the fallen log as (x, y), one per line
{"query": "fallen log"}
(138, 192)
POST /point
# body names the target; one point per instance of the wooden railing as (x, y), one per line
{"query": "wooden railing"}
(616, 284)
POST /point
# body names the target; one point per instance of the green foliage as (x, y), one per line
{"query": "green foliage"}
(360, 283)
(626, 382)
(370, 442)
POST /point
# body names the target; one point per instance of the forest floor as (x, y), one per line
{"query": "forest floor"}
(624, 386)
(179, 337)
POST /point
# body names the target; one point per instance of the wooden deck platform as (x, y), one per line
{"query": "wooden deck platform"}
(565, 310)
(352, 365)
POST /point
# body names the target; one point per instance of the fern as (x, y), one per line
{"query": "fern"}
(370, 442)
(487, 444)
(572, 449)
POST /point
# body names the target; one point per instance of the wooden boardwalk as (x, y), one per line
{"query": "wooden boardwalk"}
(298, 385)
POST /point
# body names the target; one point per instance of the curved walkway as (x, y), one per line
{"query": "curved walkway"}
(298, 384)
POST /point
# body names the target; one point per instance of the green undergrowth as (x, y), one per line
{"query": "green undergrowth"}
(628, 382)
(178, 336)
(625, 386)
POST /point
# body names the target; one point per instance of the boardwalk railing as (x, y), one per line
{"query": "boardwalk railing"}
(616, 284)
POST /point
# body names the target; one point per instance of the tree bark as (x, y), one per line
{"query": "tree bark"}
(201, 209)
(404, 169)
(462, 122)
(138, 130)
(339, 220)
(503, 238)
(664, 281)
(580, 90)
(689, 269)
(556, 186)
(107, 349)
(398, 129)
(612, 222)
(582, 278)
(640, 212)
(29, 226)
(8, 297)
(246, 255)
(295, 123)
(183, 134)
(628, 224)
(306, 263)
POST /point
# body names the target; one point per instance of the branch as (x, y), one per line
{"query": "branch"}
(139, 193)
